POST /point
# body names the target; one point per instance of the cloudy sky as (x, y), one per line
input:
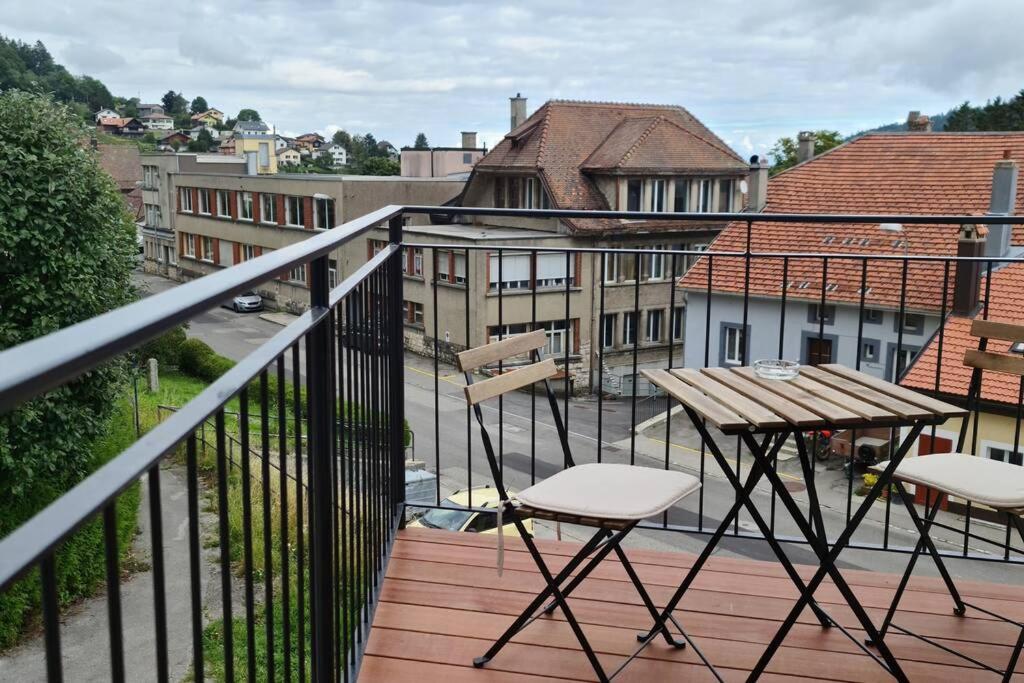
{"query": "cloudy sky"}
(752, 71)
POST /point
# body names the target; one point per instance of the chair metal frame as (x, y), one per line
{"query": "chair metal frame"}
(559, 586)
(981, 329)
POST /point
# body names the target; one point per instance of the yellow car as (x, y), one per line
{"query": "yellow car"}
(455, 515)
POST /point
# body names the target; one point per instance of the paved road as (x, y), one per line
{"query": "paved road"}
(449, 443)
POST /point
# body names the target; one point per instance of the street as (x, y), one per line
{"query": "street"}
(448, 441)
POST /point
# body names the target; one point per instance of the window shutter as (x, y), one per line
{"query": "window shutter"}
(236, 248)
(255, 207)
(216, 250)
(307, 213)
(195, 200)
(233, 204)
(280, 209)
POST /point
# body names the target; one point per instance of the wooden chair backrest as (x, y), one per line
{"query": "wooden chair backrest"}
(510, 381)
(983, 359)
(516, 345)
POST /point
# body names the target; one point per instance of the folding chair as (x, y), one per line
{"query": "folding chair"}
(978, 480)
(613, 498)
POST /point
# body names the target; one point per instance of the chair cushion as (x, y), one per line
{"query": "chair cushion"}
(610, 491)
(979, 480)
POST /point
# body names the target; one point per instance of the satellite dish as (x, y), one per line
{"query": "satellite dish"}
(743, 186)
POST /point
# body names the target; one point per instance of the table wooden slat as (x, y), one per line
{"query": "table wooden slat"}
(832, 412)
(757, 414)
(905, 410)
(865, 409)
(935, 406)
(793, 413)
(716, 413)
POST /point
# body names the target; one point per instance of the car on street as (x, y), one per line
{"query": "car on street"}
(455, 514)
(245, 302)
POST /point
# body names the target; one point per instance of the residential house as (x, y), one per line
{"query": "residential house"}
(106, 114)
(194, 131)
(339, 155)
(227, 146)
(388, 149)
(128, 127)
(210, 117)
(437, 162)
(145, 110)
(917, 172)
(157, 122)
(288, 156)
(280, 142)
(311, 141)
(174, 137)
(589, 156)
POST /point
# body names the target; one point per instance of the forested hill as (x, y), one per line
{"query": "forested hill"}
(995, 115)
(31, 67)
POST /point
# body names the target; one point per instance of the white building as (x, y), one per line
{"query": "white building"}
(106, 114)
(339, 155)
(158, 122)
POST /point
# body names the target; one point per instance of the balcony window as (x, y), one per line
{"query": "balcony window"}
(634, 194)
(153, 215)
(654, 320)
(681, 202)
(297, 274)
(207, 254)
(629, 328)
(704, 196)
(150, 177)
(245, 206)
(552, 268)
(530, 193)
(268, 208)
(654, 265)
(293, 211)
(732, 345)
(323, 213)
(514, 271)
(658, 188)
(223, 204)
(185, 199)
(204, 202)
(690, 259)
(608, 330)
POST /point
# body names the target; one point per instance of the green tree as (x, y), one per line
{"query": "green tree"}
(174, 103)
(378, 166)
(131, 107)
(342, 138)
(198, 105)
(248, 115)
(68, 249)
(204, 142)
(783, 154)
(421, 142)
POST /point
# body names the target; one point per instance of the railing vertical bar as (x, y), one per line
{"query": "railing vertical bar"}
(469, 411)
(671, 340)
(300, 530)
(268, 546)
(600, 358)
(194, 559)
(501, 335)
(364, 457)
(51, 619)
(224, 531)
(569, 338)
(282, 450)
(114, 622)
(310, 520)
(896, 372)
(352, 633)
(707, 362)
(247, 550)
(342, 625)
(636, 350)
(533, 394)
(859, 354)
(743, 356)
(437, 380)
(782, 354)
(335, 369)
(156, 533)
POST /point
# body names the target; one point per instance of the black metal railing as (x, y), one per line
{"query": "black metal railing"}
(310, 512)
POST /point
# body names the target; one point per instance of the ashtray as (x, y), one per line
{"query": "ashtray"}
(777, 369)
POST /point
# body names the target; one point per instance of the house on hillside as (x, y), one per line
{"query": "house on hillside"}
(311, 141)
(388, 149)
(590, 156)
(128, 127)
(916, 172)
(157, 122)
(106, 114)
(145, 110)
(174, 137)
(339, 155)
(210, 117)
(288, 156)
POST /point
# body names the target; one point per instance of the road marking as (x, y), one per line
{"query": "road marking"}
(427, 373)
(694, 450)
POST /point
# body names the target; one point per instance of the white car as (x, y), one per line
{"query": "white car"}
(247, 301)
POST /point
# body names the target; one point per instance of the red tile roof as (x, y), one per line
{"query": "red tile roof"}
(902, 173)
(563, 140)
(1006, 301)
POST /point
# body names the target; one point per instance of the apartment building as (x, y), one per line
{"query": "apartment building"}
(577, 155)
(206, 212)
(917, 172)
(438, 162)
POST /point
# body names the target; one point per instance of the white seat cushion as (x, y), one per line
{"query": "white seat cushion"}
(610, 491)
(979, 480)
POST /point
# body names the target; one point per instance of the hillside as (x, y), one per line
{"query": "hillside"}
(31, 67)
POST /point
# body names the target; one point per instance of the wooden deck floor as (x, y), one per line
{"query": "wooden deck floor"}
(443, 604)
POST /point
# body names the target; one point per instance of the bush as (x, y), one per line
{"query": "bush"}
(165, 348)
(197, 359)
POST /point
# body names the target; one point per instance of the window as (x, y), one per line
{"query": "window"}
(185, 199)
(654, 319)
(207, 254)
(1005, 455)
(190, 245)
(332, 273)
(417, 262)
(515, 271)
(323, 213)
(913, 323)
(412, 312)
(725, 186)
(559, 339)
(499, 332)
(529, 189)
(692, 258)
(513, 192)
(223, 204)
(681, 203)
(629, 328)
(204, 202)
(467, 158)
(298, 274)
(733, 345)
(245, 206)
(264, 154)
(902, 360)
(268, 208)
(654, 265)
(293, 211)
(869, 351)
(608, 330)
(611, 267)
(460, 269)
(678, 318)
(499, 192)
(634, 194)
(443, 266)
(153, 215)
(151, 177)
(658, 195)
(817, 314)
(248, 252)
(873, 316)
(704, 196)
(551, 269)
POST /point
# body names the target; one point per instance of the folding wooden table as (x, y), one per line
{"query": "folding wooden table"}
(739, 402)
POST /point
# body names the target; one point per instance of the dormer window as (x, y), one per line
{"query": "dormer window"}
(658, 195)
(634, 194)
(704, 196)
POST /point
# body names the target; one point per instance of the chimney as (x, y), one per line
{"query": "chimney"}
(804, 146)
(757, 184)
(1003, 203)
(967, 286)
(518, 106)
(916, 123)
(468, 139)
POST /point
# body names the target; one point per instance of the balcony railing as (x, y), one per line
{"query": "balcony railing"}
(308, 430)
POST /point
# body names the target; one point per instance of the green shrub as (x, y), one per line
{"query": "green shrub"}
(165, 348)
(197, 359)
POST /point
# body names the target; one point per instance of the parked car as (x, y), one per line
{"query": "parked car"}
(247, 301)
(455, 515)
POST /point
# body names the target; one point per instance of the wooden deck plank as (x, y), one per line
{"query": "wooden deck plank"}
(442, 604)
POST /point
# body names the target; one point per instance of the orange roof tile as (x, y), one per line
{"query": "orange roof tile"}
(901, 173)
(1006, 301)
